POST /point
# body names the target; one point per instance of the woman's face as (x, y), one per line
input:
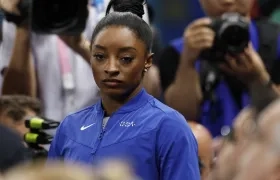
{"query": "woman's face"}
(218, 7)
(119, 59)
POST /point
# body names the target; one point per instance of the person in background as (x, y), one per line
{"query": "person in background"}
(110, 170)
(127, 122)
(205, 151)
(182, 73)
(12, 151)
(32, 106)
(151, 80)
(251, 143)
(15, 109)
(38, 66)
(157, 43)
(52, 171)
(259, 158)
(12, 115)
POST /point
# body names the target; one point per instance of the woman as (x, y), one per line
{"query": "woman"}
(127, 122)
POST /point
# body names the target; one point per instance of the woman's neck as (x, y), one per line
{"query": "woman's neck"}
(111, 104)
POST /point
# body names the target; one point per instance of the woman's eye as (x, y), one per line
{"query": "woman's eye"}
(99, 57)
(126, 60)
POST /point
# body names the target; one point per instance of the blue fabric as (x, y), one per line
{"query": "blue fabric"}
(195, 9)
(153, 137)
(99, 4)
(226, 105)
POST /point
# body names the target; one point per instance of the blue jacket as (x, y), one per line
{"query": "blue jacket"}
(154, 138)
(226, 105)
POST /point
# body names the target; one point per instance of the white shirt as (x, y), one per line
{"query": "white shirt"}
(45, 52)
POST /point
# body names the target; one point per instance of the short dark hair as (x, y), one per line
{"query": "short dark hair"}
(13, 106)
(28, 102)
(10, 108)
(127, 13)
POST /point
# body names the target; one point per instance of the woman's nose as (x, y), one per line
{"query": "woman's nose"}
(111, 68)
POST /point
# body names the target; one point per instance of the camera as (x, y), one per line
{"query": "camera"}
(36, 137)
(231, 37)
(67, 17)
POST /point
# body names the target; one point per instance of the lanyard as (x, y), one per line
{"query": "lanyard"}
(66, 71)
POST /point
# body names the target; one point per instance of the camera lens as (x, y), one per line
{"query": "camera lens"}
(235, 37)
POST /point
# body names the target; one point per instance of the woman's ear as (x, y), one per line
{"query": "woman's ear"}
(149, 61)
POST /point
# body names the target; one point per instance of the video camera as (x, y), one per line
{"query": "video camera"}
(36, 137)
(67, 17)
(232, 37)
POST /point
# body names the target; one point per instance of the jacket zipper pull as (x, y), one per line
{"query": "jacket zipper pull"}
(101, 134)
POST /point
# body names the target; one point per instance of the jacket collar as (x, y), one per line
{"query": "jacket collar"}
(134, 103)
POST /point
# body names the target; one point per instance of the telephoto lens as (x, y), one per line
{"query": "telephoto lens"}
(66, 17)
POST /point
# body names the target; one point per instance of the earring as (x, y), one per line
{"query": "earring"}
(145, 70)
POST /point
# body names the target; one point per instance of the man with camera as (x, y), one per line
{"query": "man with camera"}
(228, 67)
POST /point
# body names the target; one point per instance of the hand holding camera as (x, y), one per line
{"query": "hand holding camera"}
(198, 36)
(247, 66)
(224, 43)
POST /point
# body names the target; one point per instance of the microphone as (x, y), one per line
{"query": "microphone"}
(40, 123)
(38, 138)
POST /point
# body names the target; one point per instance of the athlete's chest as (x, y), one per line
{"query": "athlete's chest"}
(127, 138)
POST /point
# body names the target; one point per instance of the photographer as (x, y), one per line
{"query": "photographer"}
(39, 64)
(234, 76)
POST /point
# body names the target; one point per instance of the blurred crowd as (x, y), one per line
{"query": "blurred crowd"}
(233, 108)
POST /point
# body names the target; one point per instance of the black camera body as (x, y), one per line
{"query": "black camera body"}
(67, 17)
(232, 37)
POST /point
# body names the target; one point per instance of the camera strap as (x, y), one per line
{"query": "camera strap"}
(68, 83)
(210, 77)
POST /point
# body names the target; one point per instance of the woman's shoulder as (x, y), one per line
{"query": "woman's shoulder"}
(80, 116)
(170, 121)
(165, 112)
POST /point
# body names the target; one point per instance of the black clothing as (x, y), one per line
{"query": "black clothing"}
(12, 150)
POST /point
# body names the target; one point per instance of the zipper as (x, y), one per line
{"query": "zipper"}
(100, 137)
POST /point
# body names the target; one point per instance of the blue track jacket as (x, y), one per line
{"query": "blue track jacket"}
(154, 138)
